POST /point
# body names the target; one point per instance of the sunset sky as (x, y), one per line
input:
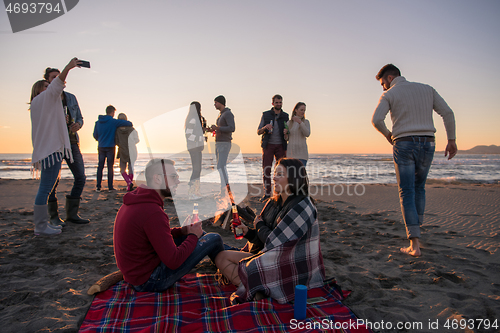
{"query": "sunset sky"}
(152, 57)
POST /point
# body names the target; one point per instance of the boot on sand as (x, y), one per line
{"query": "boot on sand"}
(72, 206)
(41, 220)
(194, 190)
(54, 218)
(127, 179)
(130, 186)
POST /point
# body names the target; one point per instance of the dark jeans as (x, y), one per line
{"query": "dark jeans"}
(78, 170)
(163, 277)
(196, 156)
(109, 154)
(268, 154)
(412, 161)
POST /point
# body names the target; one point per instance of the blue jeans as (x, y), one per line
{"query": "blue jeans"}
(303, 161)
(163, 277)
(48, 178)
(222, 150)
(412, 161)
(78, 170)
(109, 154)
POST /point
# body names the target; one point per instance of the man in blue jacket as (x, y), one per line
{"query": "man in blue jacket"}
(74, 120)
(104, 133)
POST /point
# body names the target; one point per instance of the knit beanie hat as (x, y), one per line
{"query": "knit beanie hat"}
(221, 99)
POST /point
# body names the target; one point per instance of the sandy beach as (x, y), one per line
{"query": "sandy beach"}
(44, 280)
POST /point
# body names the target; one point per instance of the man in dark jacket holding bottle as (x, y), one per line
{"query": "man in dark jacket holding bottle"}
(273, 143)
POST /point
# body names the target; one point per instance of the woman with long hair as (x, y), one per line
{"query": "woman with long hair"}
(194, 127)
(126, 137)
(287, 236)
(297, 133)
(49, 135)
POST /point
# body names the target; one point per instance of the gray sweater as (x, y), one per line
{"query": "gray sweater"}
(411, 106)
(225, 122)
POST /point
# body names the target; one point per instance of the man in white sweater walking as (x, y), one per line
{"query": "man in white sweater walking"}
(412, 137)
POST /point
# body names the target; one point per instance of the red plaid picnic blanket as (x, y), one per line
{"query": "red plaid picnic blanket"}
(197, 303)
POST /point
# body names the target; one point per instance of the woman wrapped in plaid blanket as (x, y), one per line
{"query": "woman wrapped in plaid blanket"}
(291, 252)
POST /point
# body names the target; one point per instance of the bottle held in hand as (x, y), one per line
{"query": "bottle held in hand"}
(271, 130)
(69, 120)
(237, 230)
(195, 218)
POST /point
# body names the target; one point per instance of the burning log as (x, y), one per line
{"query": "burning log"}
(225, 211)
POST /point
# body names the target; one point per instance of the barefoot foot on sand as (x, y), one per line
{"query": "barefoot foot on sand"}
(411, 251)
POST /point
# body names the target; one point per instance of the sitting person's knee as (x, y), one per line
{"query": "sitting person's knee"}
(221, 257)
(212, 237)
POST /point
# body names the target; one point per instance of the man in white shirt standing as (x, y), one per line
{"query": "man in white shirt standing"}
(412, 137)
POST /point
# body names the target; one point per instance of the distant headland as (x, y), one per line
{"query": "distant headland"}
(482, 149)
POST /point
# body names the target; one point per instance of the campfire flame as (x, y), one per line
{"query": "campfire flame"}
(224, 215)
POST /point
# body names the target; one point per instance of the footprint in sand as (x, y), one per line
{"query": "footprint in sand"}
(460, 297)
(450, 276)
(388, 283)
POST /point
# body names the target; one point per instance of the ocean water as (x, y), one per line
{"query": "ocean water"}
(321, 169)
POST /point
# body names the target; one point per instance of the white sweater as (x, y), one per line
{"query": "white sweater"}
(411, 105)
(297, 145)
(49, 131)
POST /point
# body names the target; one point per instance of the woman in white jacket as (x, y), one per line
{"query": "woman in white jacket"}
(49, 135)
(126, 138)
(296, 134)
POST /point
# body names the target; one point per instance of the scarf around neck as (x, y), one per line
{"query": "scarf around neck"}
(49, 131)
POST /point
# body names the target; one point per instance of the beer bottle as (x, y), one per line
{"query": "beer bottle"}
(237, 230)
(195, 218)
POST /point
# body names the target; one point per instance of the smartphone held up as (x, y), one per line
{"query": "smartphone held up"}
(83, 63)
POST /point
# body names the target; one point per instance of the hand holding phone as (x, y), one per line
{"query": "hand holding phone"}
(83, 63)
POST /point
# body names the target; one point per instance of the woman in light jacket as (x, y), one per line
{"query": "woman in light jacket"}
(296, 134)
(194, 128)
(49, 135)
(126, 138)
